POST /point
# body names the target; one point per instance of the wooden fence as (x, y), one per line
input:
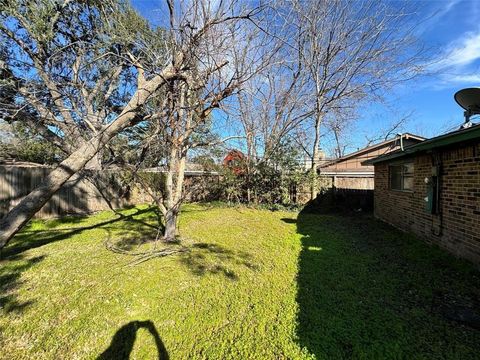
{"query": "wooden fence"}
(91, 191)
(85, 192)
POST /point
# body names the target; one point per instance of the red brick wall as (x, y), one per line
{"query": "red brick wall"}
(457, 226)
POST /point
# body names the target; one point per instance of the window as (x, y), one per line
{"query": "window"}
(401, 176)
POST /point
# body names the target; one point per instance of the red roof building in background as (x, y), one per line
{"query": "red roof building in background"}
(235, 161)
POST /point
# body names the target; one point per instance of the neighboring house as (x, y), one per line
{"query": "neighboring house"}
(348, 172)
(22, 164)
(433, 190)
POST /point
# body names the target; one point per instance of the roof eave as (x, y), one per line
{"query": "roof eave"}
(406, 136)
(436, 142)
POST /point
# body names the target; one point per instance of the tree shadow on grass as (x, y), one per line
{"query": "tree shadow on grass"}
(207, 258)
(366, 290)
(122, 342)
(29, 239)
(13, 261)
(128, 231)
(10, 280)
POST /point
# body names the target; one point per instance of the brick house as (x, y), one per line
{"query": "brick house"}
(433, 190)
(349, 172)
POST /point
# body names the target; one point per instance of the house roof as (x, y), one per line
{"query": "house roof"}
(452, 138)
(190, 169)
(13, 162)
(373, 147)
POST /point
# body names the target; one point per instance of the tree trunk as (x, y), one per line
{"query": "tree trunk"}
(174, 193)
(36, 199)
(94, 163)
(171, 218)
(249, 185)
(313, 168)
(176, 168)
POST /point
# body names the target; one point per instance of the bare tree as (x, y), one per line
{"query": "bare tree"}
(351, 51)
(233, 51)
(338, 123)
(270, 108)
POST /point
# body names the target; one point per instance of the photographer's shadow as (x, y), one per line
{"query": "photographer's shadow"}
(122, 342)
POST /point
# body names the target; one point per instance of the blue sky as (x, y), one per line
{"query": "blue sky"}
(452, 32)
(453, 35)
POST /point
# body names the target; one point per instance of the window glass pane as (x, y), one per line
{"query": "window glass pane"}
(408, 169)
(408, 183)
(396, 177)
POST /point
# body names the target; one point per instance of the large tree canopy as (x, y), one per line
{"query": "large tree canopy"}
(70, 68)
(78, 73)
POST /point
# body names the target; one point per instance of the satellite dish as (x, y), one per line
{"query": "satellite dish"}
(469, 99)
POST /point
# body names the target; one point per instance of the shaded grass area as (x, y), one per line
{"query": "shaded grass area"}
(254, 284)
(367, 291)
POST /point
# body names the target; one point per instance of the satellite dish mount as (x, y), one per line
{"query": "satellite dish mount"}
(469, 99)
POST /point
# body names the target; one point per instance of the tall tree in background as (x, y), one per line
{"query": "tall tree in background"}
(351, 52)
(270, 108)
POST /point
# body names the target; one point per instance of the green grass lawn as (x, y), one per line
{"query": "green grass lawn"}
(254, 284)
